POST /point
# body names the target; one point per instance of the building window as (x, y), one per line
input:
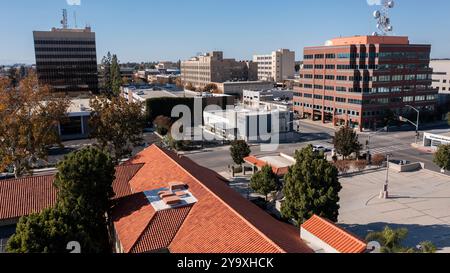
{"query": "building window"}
(71, 127)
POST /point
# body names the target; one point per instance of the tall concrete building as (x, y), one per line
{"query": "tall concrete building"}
(278, 66)
(360, 80)
(212, 67)
(66, 59)
(441, 81)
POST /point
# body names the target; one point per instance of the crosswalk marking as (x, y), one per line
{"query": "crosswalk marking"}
(384, 150)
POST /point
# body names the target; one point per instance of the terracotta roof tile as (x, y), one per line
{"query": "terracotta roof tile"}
(261, 163)
(124, 174)
(24, 196)
(131, 215)
(27, 195)
(334, 236)
(222, 221)
(161, 230)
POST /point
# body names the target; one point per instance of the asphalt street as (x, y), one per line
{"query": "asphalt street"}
(398, 144)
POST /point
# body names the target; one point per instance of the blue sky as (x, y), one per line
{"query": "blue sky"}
(151, 30)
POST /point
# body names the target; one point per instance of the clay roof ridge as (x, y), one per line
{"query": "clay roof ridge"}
(223, 202)
(337, 229)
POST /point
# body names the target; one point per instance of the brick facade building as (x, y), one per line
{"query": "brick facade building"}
(361, 80)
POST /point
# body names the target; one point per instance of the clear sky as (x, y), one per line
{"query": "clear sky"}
(152, 30)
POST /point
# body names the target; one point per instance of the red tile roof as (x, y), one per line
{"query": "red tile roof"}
(261, 163)
(24, 196)
(161, 230)
(222, 221)
(124, 174)
(334, 236)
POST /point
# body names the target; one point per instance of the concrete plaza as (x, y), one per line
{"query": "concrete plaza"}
(419, 201)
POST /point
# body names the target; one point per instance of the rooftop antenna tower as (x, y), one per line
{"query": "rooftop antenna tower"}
(75, 18)
(64, 20)
(383, 19)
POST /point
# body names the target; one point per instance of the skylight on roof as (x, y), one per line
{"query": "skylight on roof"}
(159, 201)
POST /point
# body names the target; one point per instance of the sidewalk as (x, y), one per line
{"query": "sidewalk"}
(318, 123)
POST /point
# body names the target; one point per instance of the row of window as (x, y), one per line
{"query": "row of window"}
(64, 49)
(363, 55)
(68, 56)
(410, 77)
(339, 111)
(63, 42)
(341, 56)
(370, 101)
(340, 67)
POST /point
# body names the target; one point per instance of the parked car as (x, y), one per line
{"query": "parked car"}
(320, 148)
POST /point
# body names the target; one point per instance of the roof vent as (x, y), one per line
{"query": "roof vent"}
(172, 200)
(177, 186)
(175, 196)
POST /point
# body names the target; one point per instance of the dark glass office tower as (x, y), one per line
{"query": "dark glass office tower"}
(66, 59)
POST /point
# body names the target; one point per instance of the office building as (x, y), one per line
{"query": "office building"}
(278, 66)
(213, 67)
(66, 59)
(360, 80)
(441, 80)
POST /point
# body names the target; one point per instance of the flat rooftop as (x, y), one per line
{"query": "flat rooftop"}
(278, 161)
(363, 40)
(79, 105)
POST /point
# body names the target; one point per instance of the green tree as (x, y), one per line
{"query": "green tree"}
(391, 241)
(117, 125)
(84, 183)
(239, 150)
(389, 118)
(105, 71)
(346, 142)
(265, 181)
(311, 187)
(116, 79)
(45, 232)
(29, 114)
(442, 157)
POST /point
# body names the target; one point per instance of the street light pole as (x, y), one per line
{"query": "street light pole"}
(416, 124)
(384, 194)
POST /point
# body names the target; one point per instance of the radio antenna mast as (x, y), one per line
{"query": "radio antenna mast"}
(75, 18)
(383, 18)
(64, 20)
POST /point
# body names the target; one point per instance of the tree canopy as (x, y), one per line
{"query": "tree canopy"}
(346, 142)
(239, 150)
(29, 114)
(265, 181)
(84, 183)
(117, 125)
(311, 187)
(116, 79)
(391, 241)
(442, 157)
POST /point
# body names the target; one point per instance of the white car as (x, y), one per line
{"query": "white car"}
(320, 148)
